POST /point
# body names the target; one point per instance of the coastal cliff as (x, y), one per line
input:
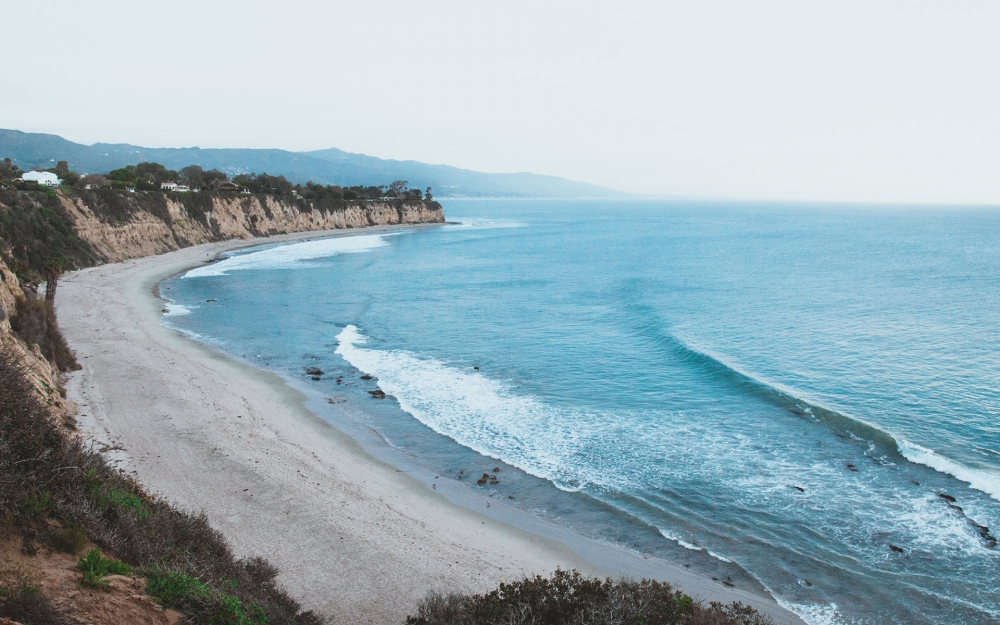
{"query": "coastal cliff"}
(41, 371)
(120, 225)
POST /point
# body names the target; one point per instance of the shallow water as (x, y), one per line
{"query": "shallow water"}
(771, 394)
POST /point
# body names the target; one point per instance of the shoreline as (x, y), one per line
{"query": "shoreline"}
(352, 523)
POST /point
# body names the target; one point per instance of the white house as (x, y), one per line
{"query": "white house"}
(182, 188)
(168, 186)
(46, 178)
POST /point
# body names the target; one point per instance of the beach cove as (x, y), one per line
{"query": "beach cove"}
(354, 536)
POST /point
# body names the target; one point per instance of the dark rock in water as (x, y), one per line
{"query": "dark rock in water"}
(314, 371)
(316, 378)
(896, 549)
(852, 467)
(476, 368)
(494, 480)
(984, 533)
(377, 393)
(798, 488)
(915, 482)
(366, 377)
(947, 498)
(211, 300)
(484, 479)
(730, 584)
(496, 469)
(340, 380)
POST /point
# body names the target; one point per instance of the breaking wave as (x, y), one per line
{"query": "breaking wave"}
(291, 256)
(988, 483)
(479, 413)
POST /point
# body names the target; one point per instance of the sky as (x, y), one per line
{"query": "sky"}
(874, 101)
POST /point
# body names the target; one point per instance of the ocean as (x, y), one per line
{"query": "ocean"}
(801, 399)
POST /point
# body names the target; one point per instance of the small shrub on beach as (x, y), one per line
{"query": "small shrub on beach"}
(571, 599)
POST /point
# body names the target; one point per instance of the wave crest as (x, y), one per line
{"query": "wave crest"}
(291, 256)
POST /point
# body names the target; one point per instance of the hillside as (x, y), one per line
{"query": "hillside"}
(331, 166)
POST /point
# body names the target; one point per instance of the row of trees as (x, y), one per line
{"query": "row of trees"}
(149, 177)
(10, 171)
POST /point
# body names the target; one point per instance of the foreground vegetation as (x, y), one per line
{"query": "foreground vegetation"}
(571, 599)
(56, 492)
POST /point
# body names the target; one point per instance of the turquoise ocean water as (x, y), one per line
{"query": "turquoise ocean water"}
(798, 398)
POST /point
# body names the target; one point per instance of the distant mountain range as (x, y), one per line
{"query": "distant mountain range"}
(332, 166)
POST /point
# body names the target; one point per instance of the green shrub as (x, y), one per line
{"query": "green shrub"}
(95, 566)
(37, 505)
(69, 539)
(121, 499)
(34, 322)
(571, 599)
(174, 589)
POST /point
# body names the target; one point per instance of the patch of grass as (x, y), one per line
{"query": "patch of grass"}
(121, 499)
(95, 566)
(18, 581)
(176, 590)
(571, 599)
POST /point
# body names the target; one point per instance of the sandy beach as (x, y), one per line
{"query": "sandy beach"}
(357, 532)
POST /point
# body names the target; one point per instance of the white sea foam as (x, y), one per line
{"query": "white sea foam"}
(291, 256)
(692, 547)
(814, 613)
(984, 481)
(475, 411)
(175, 310)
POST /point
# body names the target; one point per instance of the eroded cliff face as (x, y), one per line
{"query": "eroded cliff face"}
(173, 221)
(42, 373)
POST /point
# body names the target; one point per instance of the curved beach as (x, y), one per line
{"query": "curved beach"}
(356, 537)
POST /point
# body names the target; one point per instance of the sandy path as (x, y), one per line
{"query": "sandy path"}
(353, 537)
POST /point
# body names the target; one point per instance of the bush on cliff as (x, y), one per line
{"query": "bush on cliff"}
(571, 599)
(35, 323)
(45, 475)
(38, 235)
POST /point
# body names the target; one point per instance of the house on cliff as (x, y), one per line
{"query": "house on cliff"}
(46, 178)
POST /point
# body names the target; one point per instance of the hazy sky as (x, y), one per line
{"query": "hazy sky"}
(840, 100)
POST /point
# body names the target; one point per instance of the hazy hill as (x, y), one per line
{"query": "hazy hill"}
(330, 166)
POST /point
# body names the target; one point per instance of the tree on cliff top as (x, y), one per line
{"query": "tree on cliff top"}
(197, 178)
(8, 170)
